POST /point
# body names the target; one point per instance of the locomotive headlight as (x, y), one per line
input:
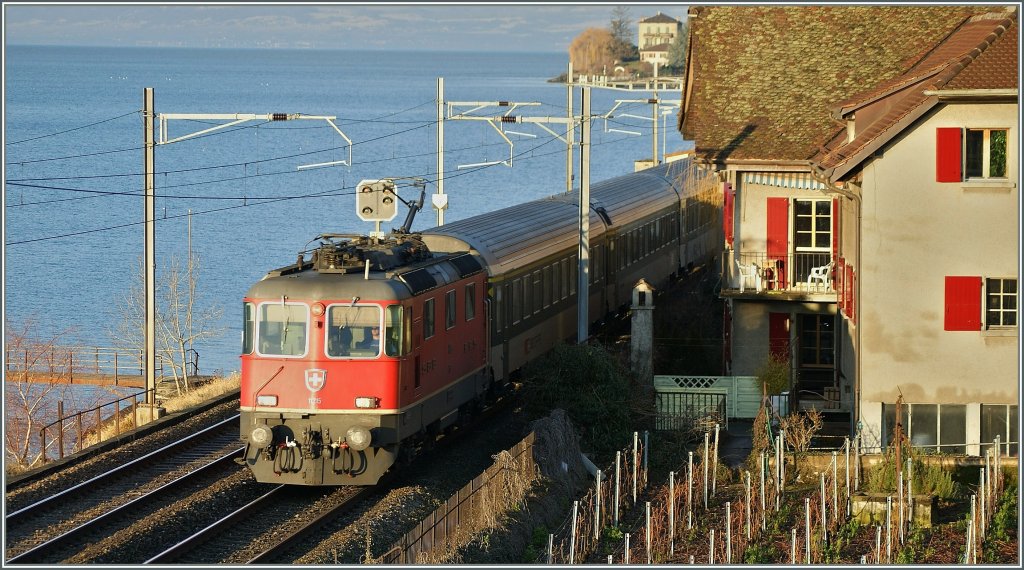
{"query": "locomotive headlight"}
(261, 435)
(267, 400)
(318, 309)
(367, 402)
(358, 438)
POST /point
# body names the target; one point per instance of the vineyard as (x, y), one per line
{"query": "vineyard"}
(903, 508)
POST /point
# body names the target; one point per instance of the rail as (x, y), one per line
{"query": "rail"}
(96, 428)
(66, 361)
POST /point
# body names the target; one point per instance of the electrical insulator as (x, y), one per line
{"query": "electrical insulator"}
(508, 119)
(279, 117)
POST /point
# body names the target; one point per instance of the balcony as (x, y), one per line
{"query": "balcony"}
(796, 276)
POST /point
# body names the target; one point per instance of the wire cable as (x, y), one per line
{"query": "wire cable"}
(73, 129)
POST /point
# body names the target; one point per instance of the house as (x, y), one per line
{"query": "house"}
(655, 36)
(839, 142)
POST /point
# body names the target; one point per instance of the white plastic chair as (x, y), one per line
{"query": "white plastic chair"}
(749, 271)
(823, 274)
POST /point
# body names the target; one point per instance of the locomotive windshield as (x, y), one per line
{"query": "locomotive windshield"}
(282, 329)
(353, 331)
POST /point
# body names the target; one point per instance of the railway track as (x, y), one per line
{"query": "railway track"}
(47, 530)
(244, 536)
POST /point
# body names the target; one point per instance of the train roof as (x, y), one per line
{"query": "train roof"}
(520, 234)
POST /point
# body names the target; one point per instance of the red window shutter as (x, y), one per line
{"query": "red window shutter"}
(963, 303)
(840, 273)
(778, 335)
(778, 235)
(848, 298)
(853, 295)
(727, 208)
(948, 159)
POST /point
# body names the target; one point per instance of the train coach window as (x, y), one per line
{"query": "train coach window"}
(282, 329)
(350, 331)
(393, 329)
(449, 310)
(470, 301)
(248, 327)
(428, 318)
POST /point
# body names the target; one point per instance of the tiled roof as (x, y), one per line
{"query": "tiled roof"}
(659, 47)
(659, 19)
(979, 54)
(764, 77)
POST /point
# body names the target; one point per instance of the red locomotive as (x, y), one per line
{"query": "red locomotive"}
(361, 353)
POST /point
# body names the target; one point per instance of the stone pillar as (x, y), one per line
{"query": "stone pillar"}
(641, 353)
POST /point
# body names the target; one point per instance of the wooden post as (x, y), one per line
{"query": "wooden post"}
(597, 507)
(71, 367)
(888, 529)
(746, 487)
(792, 547)
(551, 548)
(711, 550)
(647, 530)
(705, 461)
(60, 429)
(117, 417)
(689, 492)
(835, 486)
(627, 549)
(99, 424)
(824, 511)
(618, 463)
(878, 544)
(671, 513)
(981, 492)
(714, 464)
(572, 534)
(81, 432)
(115, 369)
(42, 445)
(728, 532)
(635, 461)
(764, 515)
(807, 530)
(900, 480)
(846, 448)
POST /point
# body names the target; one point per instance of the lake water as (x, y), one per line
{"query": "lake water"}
(73, 229)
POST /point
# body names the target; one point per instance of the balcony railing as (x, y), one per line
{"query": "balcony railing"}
(759, 272)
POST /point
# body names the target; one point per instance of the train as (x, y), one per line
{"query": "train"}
(356, 357)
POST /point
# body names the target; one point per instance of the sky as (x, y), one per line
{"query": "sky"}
(515, 27)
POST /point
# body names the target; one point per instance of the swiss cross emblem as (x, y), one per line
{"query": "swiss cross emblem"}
(315, 379)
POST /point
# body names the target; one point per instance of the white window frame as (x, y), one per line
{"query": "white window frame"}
(985, 309)
(814, 233)
(986, 154)
(259, 320)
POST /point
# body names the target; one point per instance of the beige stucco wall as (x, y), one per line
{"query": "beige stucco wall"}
(916, 232)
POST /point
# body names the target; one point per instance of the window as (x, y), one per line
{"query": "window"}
(999, 420)
(1000, 303)
(813, 224)
(538, 292)
(282, 329)
(350, 330)
(933, 427)
(394, 340)
(449, 309)
(248, 327)
(547, 286)
(517, 301)
(470, 301)
(428, 319)
(985, 153)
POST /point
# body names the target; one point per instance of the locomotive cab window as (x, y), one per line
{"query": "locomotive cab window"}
(248, 327)
(353, 331)
(449, 310)
(282, 329)
(393, 331)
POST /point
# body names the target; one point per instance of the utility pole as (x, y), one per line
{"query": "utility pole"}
(150, 245)
(439, 200)
(583, 290)
(572, 130)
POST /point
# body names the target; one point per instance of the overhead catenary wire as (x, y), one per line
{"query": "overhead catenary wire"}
(9, 143)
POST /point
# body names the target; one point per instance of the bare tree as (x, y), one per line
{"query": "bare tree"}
(677, 50)
(37, 371)
(800, 429)
(180, 317)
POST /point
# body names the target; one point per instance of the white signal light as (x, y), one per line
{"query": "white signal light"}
(358, 438)
(367, 402)
(266, 400)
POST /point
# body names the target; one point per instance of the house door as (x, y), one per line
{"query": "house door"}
(817, 353)
(778, 240)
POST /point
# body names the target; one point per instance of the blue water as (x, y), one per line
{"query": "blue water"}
(73, 279)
